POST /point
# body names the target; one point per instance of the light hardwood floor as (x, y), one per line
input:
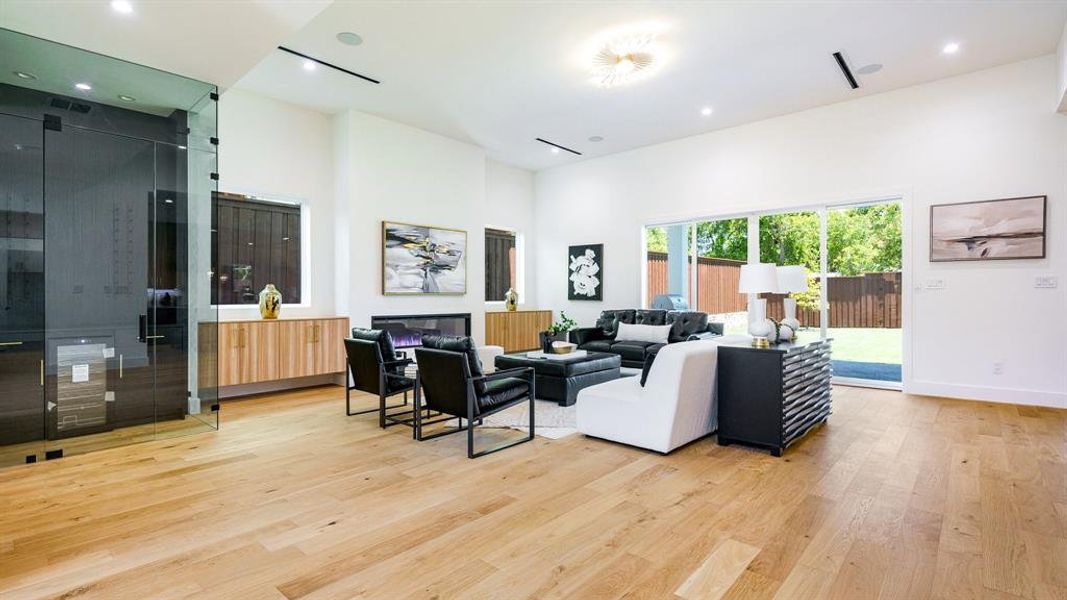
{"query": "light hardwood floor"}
(898, 497)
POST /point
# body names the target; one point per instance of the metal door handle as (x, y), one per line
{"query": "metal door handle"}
(120, 366)
(155, 337)
(10, 343)
(42, 373)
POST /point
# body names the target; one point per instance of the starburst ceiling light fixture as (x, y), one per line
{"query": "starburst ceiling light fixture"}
(625, 60)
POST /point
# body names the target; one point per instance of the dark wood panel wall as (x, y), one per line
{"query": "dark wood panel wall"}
(499, 263)
(262, 235)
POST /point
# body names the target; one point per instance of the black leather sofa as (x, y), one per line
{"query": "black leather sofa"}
(685, 325)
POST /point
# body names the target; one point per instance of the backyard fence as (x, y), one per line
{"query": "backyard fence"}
(871, 300)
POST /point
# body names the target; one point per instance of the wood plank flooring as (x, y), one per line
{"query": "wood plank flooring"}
(897, 497)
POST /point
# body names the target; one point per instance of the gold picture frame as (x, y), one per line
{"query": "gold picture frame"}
(401, 276)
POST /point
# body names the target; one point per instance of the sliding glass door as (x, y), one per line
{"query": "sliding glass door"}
(864, 291)
(853, 258)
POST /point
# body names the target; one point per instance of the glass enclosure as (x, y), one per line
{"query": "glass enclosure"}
(107, 332)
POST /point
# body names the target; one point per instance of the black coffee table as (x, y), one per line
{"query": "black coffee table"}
(560, 380)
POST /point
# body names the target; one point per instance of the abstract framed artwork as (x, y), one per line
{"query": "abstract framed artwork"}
(423, 259)
(1005, 229)
(585, 272)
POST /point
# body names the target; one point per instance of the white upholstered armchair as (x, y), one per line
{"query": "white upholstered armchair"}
(675, 406)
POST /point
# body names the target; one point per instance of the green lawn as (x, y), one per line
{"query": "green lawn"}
(862, 345)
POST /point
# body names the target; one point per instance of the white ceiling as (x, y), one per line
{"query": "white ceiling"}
(214, 42)
(499, 75)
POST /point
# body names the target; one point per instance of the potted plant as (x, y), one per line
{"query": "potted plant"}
(557, 332)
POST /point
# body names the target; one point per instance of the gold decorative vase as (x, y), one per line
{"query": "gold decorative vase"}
(270, 302)
(511, 299)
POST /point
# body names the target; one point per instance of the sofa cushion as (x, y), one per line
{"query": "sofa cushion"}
(502, 391)
(609, 319)
(656, 334)
(685, 324)
(597, 346)
(459, 344)
(634, 351)
(650, 317)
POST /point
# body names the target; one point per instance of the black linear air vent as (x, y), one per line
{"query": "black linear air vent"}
(555, 145)
(326, 64)
(849, 77)
(62, 103)
(79, 107)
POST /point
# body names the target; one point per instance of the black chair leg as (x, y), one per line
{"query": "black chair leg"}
(416, 431)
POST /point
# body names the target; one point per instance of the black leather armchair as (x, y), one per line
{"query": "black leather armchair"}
(447, 384)
(376, 369)
(685, 326)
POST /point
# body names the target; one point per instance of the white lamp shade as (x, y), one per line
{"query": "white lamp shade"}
(792, 278)
(758, 278)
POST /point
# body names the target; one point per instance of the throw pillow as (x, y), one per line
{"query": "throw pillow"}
(654, 334)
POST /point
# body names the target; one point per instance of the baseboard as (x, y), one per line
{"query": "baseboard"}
(988, 394)
(235, 391)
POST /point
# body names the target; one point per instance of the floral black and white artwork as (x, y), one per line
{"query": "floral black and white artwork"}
(585, 272)
(419, 259)
(988, 230)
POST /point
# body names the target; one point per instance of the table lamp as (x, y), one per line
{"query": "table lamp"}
(758, 278)
(791, 278)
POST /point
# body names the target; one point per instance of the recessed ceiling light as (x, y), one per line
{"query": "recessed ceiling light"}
(624, 60)
(126, 98)
(24, 75)
(309, 65)
(554, 150)
(349, 38)
(169, 201)
(706, 111)
(869, 69)
(122, 6)
(596, 138)
(950, 48)
(182, 147)
(83, 86)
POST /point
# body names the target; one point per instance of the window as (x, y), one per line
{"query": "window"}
(255, 242)
(501, 263)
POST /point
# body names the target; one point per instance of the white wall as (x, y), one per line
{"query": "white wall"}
(400, 173)
(991, 134)
(1061, 52)
(509, 203)
(274, 149)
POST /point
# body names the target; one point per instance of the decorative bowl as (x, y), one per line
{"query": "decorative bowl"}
(563, 347)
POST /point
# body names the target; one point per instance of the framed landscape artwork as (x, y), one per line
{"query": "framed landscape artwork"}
(1012, 228)
(422, 259)
(585, 272)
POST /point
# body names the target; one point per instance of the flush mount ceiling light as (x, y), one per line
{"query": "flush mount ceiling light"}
(624, 60)
(596, 138)
(24, 75)
(126, 98)
(309, 65)
(706, 111)
(950, 48)
(349, 38)
(85, 87)
(124, 7)
(869, 69)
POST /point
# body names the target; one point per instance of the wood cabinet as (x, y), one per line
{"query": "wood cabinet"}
(258, 351)
(772, 397)
(516, 331)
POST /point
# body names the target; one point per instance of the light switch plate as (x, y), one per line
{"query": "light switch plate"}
(934, 284)
(1045, 282)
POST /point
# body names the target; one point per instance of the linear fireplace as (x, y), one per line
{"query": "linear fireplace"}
(407, 330)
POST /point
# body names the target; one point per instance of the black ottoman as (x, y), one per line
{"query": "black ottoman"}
(560, 380)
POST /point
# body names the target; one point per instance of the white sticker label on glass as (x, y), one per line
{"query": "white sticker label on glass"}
(109, 353)
(79, 374)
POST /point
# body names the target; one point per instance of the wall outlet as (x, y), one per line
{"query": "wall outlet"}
(998, 368)
(935, 283)
(1045, 282)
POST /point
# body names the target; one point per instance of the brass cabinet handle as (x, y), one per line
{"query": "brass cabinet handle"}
(10, 343)
(42, 373)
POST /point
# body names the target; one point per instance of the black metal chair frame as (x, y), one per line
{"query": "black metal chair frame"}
(471, 419)
(383, 374)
